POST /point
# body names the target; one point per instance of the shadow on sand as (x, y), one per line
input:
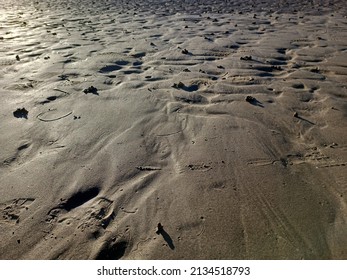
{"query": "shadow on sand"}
(166, 236)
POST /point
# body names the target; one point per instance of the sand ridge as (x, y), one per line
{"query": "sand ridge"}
(116, 118)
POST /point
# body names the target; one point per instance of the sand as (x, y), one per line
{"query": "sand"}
(224, 121)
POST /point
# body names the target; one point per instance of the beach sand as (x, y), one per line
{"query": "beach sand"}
(222, 121)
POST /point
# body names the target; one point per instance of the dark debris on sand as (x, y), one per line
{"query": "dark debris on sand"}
(250, 99)
(92, 90)
(21, 113)
(160, 229)
(247, 58)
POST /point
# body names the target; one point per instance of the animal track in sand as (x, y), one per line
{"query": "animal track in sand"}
(219, 185)
(19, 155)
(148, 168)
(140, 244)
(100, 214)
(279, 220)
(199, 167)
(11, 210)
(314, 156)
(191, 230)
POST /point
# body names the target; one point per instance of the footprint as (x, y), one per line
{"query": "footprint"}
(137, 63)
(138, 55)
(23, 147)
(219, 185)
(49, 99)
(79, 199)
(298, 86)
(314, 89)
(76, 200)
(11, 210)
(110, 68)
(192, 99)
(19, 156)
(122, 62)
(100, 214)
(281, 50)
(129, 72)
(112, 251)
(190, 88)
